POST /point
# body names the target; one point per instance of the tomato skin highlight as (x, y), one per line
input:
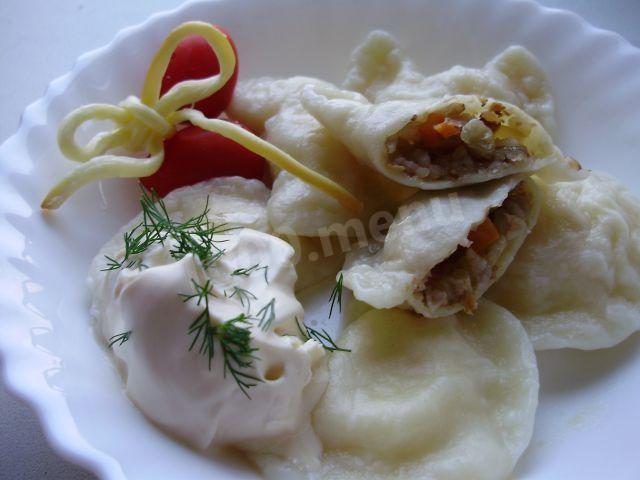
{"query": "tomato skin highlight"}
(193, 155)
(194, 59)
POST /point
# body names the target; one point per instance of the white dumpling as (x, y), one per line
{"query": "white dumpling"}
(233, 200)
(428, 261)
(316, 259)
(452, 399)
(381, 71)
(272, 108)
(575, 283)
(433, 144)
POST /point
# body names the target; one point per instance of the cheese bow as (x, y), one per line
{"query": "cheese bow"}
(142, 124)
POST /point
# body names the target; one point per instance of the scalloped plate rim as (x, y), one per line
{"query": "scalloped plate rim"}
(70, 445)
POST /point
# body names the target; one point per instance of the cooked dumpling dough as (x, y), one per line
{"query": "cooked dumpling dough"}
(381, 71)
(434, 144)
(448, 400)
(314, 261)
(575, 283)
(235, 201)
(444, 249)
(272, 108)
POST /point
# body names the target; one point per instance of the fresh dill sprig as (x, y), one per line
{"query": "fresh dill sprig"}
(244, 296)
(233, 336)
(323, 338)
(196, 235)
(113, 264)
(235, 340)
(136, 241)
(266, 315)
(155, 217)
(120, 338)
(245, 272)
(202, 330)
(201, 326)
(201, 292)
(336, 295)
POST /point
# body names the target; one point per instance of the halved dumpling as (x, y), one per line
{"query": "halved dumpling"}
(445, 249)
(435, 144)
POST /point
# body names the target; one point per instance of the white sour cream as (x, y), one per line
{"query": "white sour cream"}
(175, 387)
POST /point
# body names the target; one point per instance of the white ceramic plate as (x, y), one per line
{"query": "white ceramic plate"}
(589, 416)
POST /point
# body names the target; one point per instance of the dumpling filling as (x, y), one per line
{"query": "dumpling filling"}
(451, 144)
(472, 269)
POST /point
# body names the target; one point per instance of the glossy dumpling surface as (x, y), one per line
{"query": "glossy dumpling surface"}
(452, 399)
(575, 283)
(272, 108)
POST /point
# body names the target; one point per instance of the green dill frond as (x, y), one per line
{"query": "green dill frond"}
(245, 296)
(195, 235)
(201, 327)
(266, 315)
(120, 338)
(155, 218)
(112, 264)
(323, 338)
(202, 330)
(336, 295)
(245, 272)
(201, 292)
(235, 340)
(233, 336)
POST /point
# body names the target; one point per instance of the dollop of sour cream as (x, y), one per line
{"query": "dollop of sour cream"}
(174, 384)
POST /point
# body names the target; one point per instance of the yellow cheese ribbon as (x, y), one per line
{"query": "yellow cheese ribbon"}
(142, 124)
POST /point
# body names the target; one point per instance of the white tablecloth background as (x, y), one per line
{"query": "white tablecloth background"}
(39, 40)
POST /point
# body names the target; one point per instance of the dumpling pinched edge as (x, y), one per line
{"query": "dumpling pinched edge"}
(381, 71)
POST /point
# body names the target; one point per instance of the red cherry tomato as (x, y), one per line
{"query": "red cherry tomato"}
(194, 59)
(193, 155)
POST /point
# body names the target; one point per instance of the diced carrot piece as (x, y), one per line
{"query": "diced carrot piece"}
(439, 132)
(435, 118)
(430, 137)
(485, 235)
(448, 128)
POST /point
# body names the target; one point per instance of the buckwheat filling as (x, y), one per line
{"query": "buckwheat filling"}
(451, 144)
(473, 269)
